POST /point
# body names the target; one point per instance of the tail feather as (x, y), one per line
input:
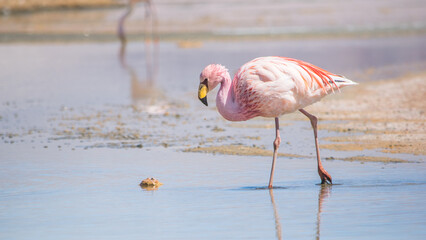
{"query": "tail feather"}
(342, 81)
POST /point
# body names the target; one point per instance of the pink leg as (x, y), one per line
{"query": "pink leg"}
(325, 177)
(276, 145)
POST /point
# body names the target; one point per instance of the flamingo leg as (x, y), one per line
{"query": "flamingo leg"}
(325, 177)
(277, 142)
(148, 40)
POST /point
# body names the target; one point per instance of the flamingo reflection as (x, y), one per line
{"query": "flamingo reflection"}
(142, 90)
(278, 229)
(150, 29)
(324, 193)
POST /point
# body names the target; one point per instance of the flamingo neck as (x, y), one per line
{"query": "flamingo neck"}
(225, 101)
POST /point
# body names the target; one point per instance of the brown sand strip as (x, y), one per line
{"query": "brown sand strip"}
(239, 150)
(363, 159)
(30, 6)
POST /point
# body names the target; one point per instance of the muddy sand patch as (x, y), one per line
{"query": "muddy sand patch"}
(234, 149)
(363, 159)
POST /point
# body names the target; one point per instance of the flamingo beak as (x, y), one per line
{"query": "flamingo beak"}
(202, 93)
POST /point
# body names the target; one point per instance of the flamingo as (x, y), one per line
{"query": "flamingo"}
(150, 35)
(270, 87)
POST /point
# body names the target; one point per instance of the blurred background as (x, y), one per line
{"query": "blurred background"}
(96, 20)
(174, 40)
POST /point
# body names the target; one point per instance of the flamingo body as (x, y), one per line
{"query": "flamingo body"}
(271, 87)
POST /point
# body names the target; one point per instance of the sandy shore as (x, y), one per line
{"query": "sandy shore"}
(31, 6)
(390, 115)
(239, 150)
(259, 151)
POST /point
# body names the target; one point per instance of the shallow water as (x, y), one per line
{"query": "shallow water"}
(57, 181)
(95, 194)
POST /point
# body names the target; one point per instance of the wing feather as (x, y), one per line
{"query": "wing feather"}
(322, 77)
(273, 85)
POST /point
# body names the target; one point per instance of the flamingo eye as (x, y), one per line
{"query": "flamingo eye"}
(205, 82)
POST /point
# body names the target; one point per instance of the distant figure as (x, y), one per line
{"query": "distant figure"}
(150, 35)
(271, 87)
(142, 89)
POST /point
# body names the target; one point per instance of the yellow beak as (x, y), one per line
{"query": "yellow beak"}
(202, 93)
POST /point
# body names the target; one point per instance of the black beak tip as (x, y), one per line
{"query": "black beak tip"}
(204, 100)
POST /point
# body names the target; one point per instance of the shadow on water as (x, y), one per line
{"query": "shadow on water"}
(324, 193)
(145, 90)
(278, 229)
(149, 187)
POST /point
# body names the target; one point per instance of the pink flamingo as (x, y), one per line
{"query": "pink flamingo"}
(271, 87)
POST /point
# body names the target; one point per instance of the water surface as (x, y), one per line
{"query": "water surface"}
(54, 185)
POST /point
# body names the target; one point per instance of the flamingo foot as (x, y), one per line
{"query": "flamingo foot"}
(325, 177)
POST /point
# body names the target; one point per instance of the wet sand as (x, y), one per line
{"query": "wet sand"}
(239, 150)
(387, 115)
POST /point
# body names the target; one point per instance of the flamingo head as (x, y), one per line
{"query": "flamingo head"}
(210, 77)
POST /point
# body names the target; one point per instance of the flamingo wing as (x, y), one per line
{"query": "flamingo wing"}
(272, 86)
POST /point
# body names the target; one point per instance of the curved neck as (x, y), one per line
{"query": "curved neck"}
(225, 101)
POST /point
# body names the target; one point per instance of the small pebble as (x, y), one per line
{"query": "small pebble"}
(150, 184)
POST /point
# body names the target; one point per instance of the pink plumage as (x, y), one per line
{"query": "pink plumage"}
(271, 87)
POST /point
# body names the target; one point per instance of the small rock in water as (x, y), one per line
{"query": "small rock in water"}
(150, 184)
